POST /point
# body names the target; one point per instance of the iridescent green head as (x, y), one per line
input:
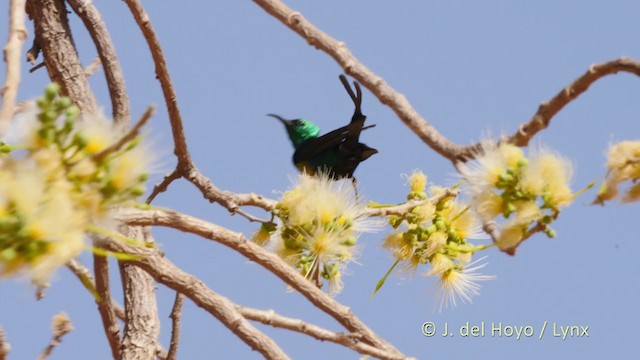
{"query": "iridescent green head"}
(299, 130)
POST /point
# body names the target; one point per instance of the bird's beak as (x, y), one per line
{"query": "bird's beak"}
(284, 121)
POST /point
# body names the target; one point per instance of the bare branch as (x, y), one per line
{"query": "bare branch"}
(107, 53)
(92, 67)
(82, 273)
(219, 306)
(268, 260)
(128, 137)
(403, 209)
(4, 345)
(105, 305)
(352, 66)
(230, 201)
(54, 37)
(162, 74)
(548, 109)
(40, 288)
(270, 317)
(61, 325)
(143, 326)
(164, 185)
(175, 316)
(17, 35)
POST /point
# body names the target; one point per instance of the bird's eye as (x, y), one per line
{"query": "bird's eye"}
(297, 123)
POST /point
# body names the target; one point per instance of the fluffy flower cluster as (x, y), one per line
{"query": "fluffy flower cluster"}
(623, 164)
(63, 175)
(321, 221)
(527, 191)
(436, 232)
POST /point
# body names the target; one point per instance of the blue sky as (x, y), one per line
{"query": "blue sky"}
(470, 68)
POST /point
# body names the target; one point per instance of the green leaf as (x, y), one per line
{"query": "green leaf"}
(384, 278)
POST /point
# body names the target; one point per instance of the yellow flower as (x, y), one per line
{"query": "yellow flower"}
(487, 204)
(461, 284)
(98, 134)
(436, 241)
(402, 250)
(417, 181)
(440, 264)
(463, 220)
(485, 170)
(548, 175)
(322, 219)
(131, 168)
(526, 212)
(623, 163)
(48, 227)
(511, 155)
(510, 235)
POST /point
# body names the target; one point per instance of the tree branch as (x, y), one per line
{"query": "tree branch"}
(61, 325)
(176, 313)
(54, 37)
(105, 305)
(350, 341)
(548, 109)
(83, 273)
(17, 35)
(107, 53)
(219, 306)
(143, 326)
(352, 66)
(268, 260)
(162, 74)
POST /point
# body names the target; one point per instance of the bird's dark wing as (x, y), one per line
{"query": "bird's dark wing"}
(320, 145)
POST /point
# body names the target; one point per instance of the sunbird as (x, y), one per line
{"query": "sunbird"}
(339, 152)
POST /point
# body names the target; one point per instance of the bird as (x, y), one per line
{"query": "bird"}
(336, 153)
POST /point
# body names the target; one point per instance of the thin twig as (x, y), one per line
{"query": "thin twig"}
(128, 137)
(351, 341)
(548, 109)
(162, 74)
(165, 272)
(92, 67)
(82, 273)
(268, 260)
(105, 306)
(61, 325)
(17, 35)
(403, 209)
(352, 66)
(176, 313)
(164, 185)
(40, 288)
(107, 53)
(5, 347)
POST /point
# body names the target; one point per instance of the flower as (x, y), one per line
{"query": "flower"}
(97, 134)
(549, 175)
(461, 284)
(623, 163)
(417, 181)
(321, 221)
(41, 228)
(489, 164)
